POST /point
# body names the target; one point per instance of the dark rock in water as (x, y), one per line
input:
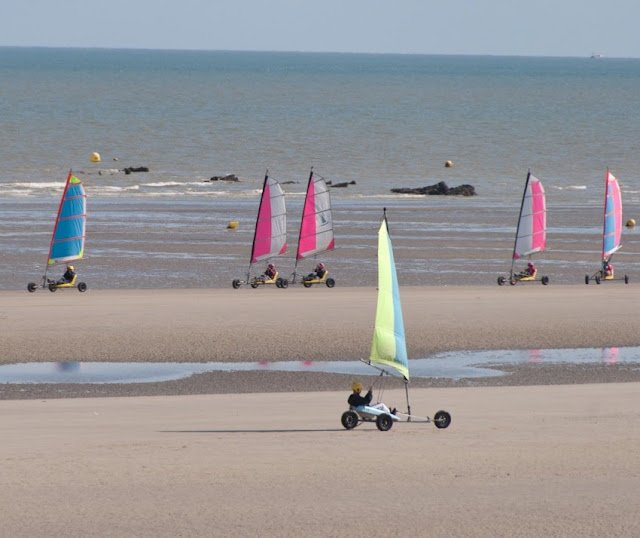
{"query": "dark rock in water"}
(134, 169)
(439, 188)
(228, 177)
(341, 185)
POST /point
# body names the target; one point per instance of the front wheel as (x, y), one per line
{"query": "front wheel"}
(586, 279)
(384, 422)
(626, 279)
(501, 280)
(330, 283)
(32, 286)
(349, 419)
(442, 419)
(235, 284)
(82, 287)
(544, 280)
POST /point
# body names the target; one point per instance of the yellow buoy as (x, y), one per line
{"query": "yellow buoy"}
(232, 224)
(95, 157)
(448, 164)
(631, 223)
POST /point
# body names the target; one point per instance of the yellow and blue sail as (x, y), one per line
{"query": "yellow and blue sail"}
(389, 345)
(67, 241)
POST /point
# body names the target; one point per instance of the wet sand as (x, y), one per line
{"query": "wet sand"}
(263, 453)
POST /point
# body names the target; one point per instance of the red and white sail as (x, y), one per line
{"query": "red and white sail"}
(270, 238)
(531, 234)
(612, 227)
(316, 227)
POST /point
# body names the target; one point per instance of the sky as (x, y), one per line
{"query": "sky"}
(494, 27)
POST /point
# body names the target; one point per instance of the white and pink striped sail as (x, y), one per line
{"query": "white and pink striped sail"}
(316, 227)
(612, 227)
(270, 237)
(531, 234)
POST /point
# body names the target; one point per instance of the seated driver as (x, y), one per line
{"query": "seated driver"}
(319, 272)
(530, 270)
(356, 399)
(607, 268)
(68, 275)
(270, 272)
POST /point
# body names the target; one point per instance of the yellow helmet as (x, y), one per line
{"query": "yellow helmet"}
(70, 267)
(356, 386)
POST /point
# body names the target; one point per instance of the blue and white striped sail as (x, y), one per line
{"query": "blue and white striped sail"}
(389, 345)
(67, 241)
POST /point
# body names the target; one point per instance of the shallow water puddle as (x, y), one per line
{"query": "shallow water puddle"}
(450, 365)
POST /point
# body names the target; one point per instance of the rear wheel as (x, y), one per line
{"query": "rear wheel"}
(597, 279)
(330, 283)
(512, 281)
(254, 284)
(32, 286)
(284, 283)
(82, 287)
(626, 279)
(501, 280)
(278, 282)
(306, 283)
(586, 279)
(384, 422)
(349, 419)
(442, 419)
(235, 284)
(52, 287)
(544, 280)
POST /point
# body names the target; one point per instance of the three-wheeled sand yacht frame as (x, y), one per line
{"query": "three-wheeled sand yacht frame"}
(384, 421)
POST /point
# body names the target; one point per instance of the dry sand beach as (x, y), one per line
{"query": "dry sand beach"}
(544, 451)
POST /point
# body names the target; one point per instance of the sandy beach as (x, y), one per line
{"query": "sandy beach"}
(544, 451)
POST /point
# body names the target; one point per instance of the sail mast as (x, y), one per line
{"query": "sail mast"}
(515, 243)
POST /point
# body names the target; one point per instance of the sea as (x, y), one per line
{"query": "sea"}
(371, 121)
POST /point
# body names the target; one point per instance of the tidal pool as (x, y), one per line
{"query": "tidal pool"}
(450, 365)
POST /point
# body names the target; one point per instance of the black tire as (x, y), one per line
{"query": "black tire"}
(349, 419)
(82, 287)
(235, 284)
(513, 281)
(52, 287)
(597, 279)
(442, 419)
(32, 286)
(586, 279)
(254, 284)
(306, 284)
(501, 280)
(626, 279)
(278, 282)
(544, 280)
(330, 283)
(384, 422)
(284, 283)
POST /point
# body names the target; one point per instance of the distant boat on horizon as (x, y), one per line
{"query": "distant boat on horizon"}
(595, 56)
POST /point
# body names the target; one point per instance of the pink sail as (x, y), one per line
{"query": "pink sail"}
(316, 227)
(270, 237)
(531, 234)
(612, 226)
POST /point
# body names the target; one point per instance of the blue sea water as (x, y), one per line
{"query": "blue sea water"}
(382, 121)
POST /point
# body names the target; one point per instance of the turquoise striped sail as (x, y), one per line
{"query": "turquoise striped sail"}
(67, 241)
(389, 346)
